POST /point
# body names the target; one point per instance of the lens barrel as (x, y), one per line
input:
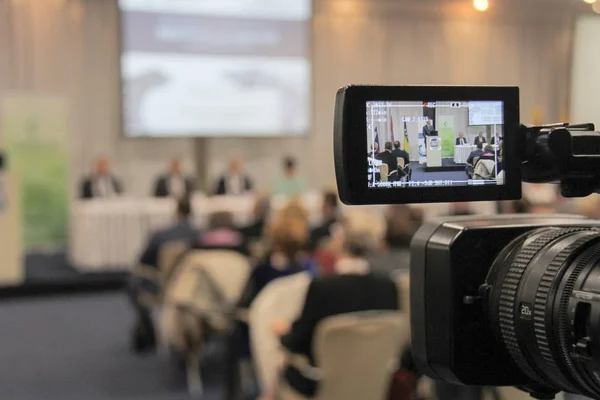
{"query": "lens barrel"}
(542, 306)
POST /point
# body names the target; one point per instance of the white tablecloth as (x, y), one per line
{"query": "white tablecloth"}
(109, 234)
(461, 153)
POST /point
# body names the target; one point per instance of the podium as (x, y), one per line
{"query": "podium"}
(434, 152)
(12, 271)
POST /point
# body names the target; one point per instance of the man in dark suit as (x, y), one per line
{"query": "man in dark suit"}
(497, 139)
(182, 230)
(478, 152)
(102, 183)
(428, 128)
(387, 157)
(234, 181)
(173, 183)
(260, 213)
(329, 211)
(461, 140)
(479, 139)
(399, 153)
(354, 289)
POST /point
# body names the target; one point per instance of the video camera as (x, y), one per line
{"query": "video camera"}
(495, 301)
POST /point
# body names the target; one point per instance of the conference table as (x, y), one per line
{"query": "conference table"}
(461, 153)
(109, 234)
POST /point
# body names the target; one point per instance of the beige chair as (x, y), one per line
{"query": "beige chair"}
(202, 292)
(168, 256)
(281, 299)
(356, 356)
(484, 169)
(400, 162)
(383, 172)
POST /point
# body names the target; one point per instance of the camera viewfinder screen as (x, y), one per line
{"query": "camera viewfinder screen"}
(434, 143)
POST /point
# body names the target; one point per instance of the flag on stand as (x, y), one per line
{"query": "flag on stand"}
(377, 141)
(392, 128)
(405, 137)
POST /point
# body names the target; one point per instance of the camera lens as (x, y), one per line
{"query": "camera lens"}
(544, 306)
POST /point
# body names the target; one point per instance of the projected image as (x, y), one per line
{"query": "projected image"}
(215, 68)
(427, 144)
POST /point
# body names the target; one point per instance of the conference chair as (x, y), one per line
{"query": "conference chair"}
(400, 162)
(282, 299)
(484, 169)
(168, 256)
(383, 172)
(356, 355)
(200, 299)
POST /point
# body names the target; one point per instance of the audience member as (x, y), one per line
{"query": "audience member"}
(488, 153)
(222, 235)
(182, 230)
(480, 139)
(173, 183)
(374, 150)
(356, 288)
(290, 184)
(260, 213)
(330, 215)
(234, 181)
(394, 252)
(387, 158)
(478, 152)
(101, 183)
(399, 153)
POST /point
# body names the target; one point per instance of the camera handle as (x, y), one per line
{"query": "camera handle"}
(564, 154)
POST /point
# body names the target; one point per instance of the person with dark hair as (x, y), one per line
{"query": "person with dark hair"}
(399, 153)
(173, 183)
(391, 161)
(290, 184)
(330, 215)
(260, 213)
(143, 338)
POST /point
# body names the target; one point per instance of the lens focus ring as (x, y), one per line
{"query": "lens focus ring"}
(508, 296)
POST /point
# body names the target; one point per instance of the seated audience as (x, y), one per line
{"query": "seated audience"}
(330, 215)
(290, 184)
(182, 230)
(287, 238)
(222, 235)
(394, 253)
(234, 181)
(391, 161)
(101, 183)
(356, 288)
(399, 153)
(173, 183)
(260, 213)
(478, 152)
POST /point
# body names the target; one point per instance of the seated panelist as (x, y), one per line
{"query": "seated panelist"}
(461, 140)
(480, 139)
(234, 181)
(101, 183)
(173, 183)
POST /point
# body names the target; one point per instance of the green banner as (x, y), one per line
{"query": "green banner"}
(445, 125)
(35, 136)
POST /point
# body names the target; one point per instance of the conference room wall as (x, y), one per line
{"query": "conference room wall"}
(461, 118)
(70, 48)
(413, 128)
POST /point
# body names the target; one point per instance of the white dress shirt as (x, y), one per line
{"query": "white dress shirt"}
(462, 141)
(176, 186)
(234, 184)
(103, 187)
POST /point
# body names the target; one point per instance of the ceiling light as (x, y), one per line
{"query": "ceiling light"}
(590, 1)
(481, 5)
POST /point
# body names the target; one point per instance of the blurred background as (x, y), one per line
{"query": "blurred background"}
(121, 119)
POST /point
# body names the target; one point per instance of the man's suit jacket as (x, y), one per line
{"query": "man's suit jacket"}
(479, 139)
(474, 153)
(162, 189)
(319, 233)
(333, 296)
(87, 187)
(221, 187)
(464, 141)
(427, 129)
(181, 231)
(494, 139)
(389, 159)
(399, 153)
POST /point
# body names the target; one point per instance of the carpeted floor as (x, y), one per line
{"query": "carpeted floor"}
(76, 347)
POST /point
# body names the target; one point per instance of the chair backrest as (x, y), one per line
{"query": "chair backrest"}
(485, 169)
(475, 160)
(383, 172)
(400, 162)
(169, 254)
(282, 299)
(357, 354)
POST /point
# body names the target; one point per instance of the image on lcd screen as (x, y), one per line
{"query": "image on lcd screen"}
(434, 144)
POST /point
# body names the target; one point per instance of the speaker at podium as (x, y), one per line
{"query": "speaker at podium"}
(12, 271)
